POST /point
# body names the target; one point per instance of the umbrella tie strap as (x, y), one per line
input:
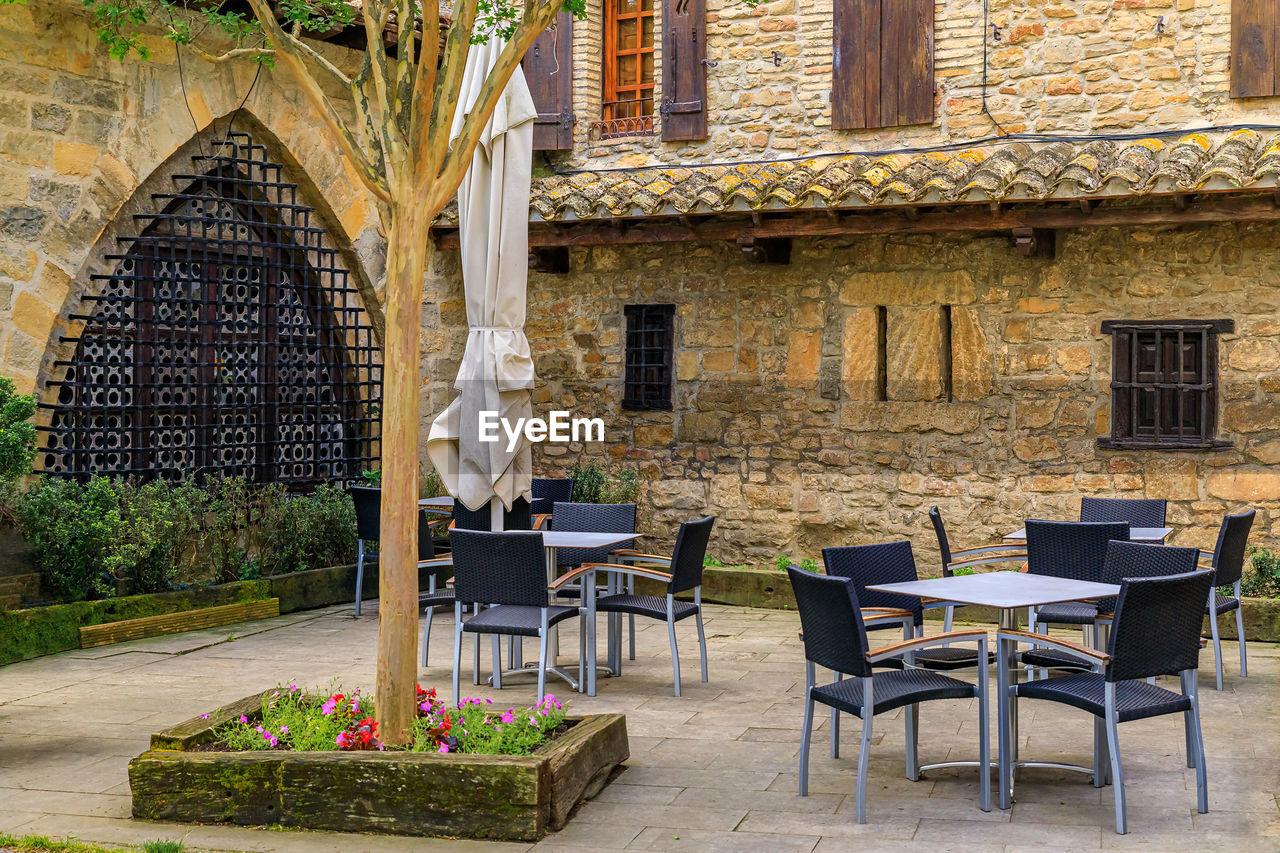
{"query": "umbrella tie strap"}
(495, 329)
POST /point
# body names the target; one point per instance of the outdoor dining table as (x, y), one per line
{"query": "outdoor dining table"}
(552, 542)
(1136, 534)
(1010, 593)
(442, 504)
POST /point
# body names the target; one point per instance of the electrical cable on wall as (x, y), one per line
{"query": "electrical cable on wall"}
(986, 24)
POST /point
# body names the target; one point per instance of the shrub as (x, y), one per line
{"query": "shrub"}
(781, 562)
(1261, 574)
(592, 484)
(111, 536)
(17, 434)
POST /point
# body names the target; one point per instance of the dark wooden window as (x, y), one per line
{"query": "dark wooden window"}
(684, 70)
(227, 339)
(882, 63)
(1164, 385)
(628, 70)
(1255, 71)
(647, 376)
(548, 68)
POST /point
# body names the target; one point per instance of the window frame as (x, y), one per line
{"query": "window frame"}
(640, 321)
(1170, 383)
(611, 124)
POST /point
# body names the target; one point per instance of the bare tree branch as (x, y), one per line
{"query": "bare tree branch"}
(538, 16)
(424, 82)
(290, 56)
(238, 53)
(375, 17)
(444, 101)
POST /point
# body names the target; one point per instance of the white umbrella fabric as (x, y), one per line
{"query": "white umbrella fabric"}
(496, 373)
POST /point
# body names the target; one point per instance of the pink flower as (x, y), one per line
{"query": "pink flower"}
(533, 721)
(508, 717)
(327, 707)
(355, 705)
(258, 730)
(284, 730)
(293, 688)
(204, 716)
(244, 719)
(444, 747)
(274, 741)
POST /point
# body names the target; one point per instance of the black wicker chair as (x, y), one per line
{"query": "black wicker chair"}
(1156, 632)
(516, 518)
(1228, 562)
(439, 568)
(967, 557)
(368, 504)
(505, 575)
(1123, 560)
(836, 638)
(594, 518)
(685, 575)
(1069, 549)
(1138, 512)
(547, 491)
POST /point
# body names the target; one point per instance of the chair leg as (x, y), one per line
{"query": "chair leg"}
(671, 635)
(457, 648)
(1190, 688)
(497, 660)
(426, 635)
(806, 728)
(475, 666)
(1113, 749)
(702, 635)
(835, 724)
(1217, 641)
(631, 623)
(1244, 663)
(1099, 752)
(947, 617)
(911, 717)
(864, 751)
(359, 572)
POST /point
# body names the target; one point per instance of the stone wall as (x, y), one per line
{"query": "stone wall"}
(772, 429)
(81, 133)
(1058, 66)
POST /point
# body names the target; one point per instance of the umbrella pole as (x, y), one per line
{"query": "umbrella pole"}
(495, 514)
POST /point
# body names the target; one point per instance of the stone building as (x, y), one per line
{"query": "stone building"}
(888, 254)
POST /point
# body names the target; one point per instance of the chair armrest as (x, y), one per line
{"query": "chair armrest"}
(987, 549)
(885, 614)
(1067, 646)
(925, 642)
(1014, 553)
(632, 554)
(435, 562)
(615, 568)
(570, 576)
(540, 520)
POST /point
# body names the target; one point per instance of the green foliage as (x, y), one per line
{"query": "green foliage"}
(1261, 577)
(432, 485)
(711, 562)
(44, 844)
(593, 484)
(108, 536)
(373, 478)
(17, 433)
(962, 571)
(483, 729)
(781, 562)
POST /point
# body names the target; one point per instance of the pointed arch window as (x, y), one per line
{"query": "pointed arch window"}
(227, 339)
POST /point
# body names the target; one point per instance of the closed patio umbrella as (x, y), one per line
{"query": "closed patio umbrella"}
(496, 373)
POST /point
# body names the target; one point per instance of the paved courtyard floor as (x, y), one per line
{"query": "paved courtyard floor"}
(714, 770)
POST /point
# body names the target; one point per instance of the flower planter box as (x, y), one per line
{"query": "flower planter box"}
(404, 793)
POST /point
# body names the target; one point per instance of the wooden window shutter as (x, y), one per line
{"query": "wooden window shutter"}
(882, 63)
(1255, 72)
(684, 70)
(548, 69)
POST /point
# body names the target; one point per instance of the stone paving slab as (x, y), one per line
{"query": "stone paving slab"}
(713, 770)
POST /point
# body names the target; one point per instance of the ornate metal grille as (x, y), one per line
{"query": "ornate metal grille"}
(647, 373)
(1164, 387)
(227, 339)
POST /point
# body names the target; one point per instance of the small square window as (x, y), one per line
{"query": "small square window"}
(1164, 384)
(647, 375)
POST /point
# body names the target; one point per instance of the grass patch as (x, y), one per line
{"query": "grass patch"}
(43, 844)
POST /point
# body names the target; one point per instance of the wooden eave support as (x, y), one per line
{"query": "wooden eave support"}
(1208, 208)
(1035, 242)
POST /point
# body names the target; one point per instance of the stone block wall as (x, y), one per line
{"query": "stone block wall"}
(776, 428)
(1057, 66)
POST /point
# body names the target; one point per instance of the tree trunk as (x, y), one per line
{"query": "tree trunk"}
(398, 548)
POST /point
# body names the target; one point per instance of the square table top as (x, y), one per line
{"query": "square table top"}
(583, 539)
(1003, 590)
(444, 502)
(1136, 534)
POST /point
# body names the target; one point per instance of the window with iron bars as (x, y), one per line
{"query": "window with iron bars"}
(647, 375)
(1164, 386)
